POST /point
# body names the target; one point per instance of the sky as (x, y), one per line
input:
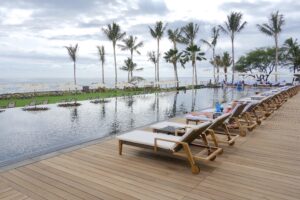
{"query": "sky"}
(33, 33)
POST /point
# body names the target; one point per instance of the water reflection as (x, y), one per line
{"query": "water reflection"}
(74, 115)
(115, 125)
(103, 112)
(130, 102)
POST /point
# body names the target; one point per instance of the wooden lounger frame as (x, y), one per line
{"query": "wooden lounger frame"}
(182, 150)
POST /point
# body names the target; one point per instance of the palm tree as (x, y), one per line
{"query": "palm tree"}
(175, 36)
(72, 51)
(193, 53)
(232, 26)
(113, 33)
(291, 51)
(152, 58)
(190, 32)
(132, 45)
(225, 62)
(157, 32)
(212, 45)
(130, 66)
(101, 53)
(173, 56)
(273, 28)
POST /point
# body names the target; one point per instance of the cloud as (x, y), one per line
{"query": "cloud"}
(33, 32)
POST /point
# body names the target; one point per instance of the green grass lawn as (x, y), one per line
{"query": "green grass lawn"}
(20, 102)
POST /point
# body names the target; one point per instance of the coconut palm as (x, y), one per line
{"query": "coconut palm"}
(190, 32)
(113, 33)
(273, 28)
(132, 45)
(175, 37)
(157, 32)
(173, 56)
(231, 27)
(191, 54)
(215, 33)
(72, 51)
(291, 51)
(101, 53)
(225, 62)
(152, 58)
(130, 66)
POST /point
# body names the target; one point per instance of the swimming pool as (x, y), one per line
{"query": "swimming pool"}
(24, 135)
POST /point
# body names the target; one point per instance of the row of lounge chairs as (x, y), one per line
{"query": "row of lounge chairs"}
(179, 139)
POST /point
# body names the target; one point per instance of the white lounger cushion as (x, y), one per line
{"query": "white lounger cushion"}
(197, 117)
(147, 138)
(160, 125)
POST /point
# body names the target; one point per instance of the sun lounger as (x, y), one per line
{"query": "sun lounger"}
(173, 145)
(218, 126)
(234, 121)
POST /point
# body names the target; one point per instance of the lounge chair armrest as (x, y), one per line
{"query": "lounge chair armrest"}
(167, 140)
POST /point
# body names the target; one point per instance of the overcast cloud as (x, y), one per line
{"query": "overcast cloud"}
(33, 32)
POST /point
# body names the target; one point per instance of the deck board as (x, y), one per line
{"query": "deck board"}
(263, 165)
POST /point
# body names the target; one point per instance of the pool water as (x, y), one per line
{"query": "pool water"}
(25, 134)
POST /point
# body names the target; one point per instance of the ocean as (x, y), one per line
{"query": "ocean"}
(52, 84)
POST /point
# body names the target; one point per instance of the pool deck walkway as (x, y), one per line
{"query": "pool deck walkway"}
(263, 165)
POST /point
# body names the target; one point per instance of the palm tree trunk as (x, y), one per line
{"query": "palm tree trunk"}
(276, 56)
(233, 64)
(155, 73)
(193, 78)
(176, 75)
(131, 56)
(225, 71)
(158, 60)
(74, 72)
(214, 63)
(196, 76)
(102, 73)
(115, 60)
(128, 76)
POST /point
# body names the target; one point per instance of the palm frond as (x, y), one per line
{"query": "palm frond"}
(72, 51)
(242, 27)
(266, 29)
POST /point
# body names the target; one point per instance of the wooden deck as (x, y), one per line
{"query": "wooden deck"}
(263, 165)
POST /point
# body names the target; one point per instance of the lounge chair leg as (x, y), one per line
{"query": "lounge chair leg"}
(213, 136)
(194, 167)
(120, 147)
(241, 128)
(205, 141)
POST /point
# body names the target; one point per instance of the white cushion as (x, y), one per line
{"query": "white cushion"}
(197, 117)
(160, 125)
(147, 138)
